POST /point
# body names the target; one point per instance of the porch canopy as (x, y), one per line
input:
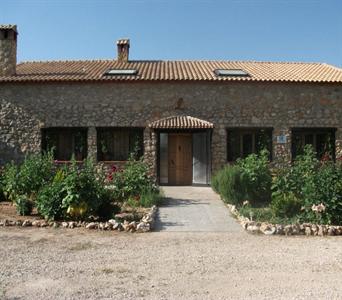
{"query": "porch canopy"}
(181, 122)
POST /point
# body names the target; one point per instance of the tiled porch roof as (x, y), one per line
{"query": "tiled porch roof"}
(180, 122)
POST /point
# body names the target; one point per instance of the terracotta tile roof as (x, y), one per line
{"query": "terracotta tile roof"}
(180, 122)
(93, 70)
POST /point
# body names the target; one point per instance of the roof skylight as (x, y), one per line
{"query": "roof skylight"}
(231, 72)
(114, 72)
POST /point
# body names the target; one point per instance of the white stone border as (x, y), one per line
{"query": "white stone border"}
(144, 225)
(292, 229)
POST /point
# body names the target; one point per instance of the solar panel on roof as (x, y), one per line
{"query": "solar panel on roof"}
(230, 72)
(121, 72)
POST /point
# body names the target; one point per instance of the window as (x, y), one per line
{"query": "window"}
(231, 72)
(321, 139)
(116, 144)
(242, 142)
(65, 142)
(113, 72)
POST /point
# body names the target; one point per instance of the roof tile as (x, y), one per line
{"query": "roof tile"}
(180, 122)
(93, 70)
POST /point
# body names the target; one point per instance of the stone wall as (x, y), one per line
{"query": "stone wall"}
(26, 108)
(8, 51)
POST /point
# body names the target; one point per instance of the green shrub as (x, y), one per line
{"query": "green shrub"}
(132, 180)
(229, 183)
(257, 177)
(106, 208)
(325, 187)
(292, 178)
(250, 179)
(49, 199)
(35, 172)
(312, 183)
(29, 177)
(2, 195)
(215, 181)
(306, 191)
(10, 182)
(132, 202)
(24, 205)
(77, 191)
(286, 206)
(84, 192)
(149, 197)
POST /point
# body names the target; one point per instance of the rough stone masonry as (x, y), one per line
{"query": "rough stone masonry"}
(26, 108)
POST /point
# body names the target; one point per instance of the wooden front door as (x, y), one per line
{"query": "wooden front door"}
(180, 159)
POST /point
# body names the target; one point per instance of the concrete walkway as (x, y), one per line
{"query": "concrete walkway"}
(193, 209)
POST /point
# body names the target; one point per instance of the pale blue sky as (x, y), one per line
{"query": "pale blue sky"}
(271, 30)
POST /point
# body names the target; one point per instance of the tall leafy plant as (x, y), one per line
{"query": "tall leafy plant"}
(257, 177)
(250, 179)
(50, 197)
(229, 183)
(324, 188)
(83, 191)
(314, 185)
(27, 178)
(292, 178)
(132, 180)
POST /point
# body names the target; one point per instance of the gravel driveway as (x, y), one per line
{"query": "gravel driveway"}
(38, 263)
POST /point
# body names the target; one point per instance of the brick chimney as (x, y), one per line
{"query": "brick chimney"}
(123, 50)
(8, 50)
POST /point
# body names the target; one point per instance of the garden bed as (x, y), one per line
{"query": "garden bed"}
(284, 229)
(304, 197)
(40, 192)
(141, 220)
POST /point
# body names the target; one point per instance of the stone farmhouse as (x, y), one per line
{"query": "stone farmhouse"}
(188, 118)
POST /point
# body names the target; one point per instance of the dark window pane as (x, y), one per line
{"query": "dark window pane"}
(50, 141)
(136, 142)
(309, 139)
(263, 140)
(233, 147)
(322, 140)
(116, 144)
(297, 144)
(324, 145)
(121, 144)
(65, 142)
(104, 145)
(242, 142)
(80, 145)
(247, 144)
(64, 150)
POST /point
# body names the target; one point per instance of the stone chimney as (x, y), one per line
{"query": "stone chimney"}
(8, 50)
(123, 50)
